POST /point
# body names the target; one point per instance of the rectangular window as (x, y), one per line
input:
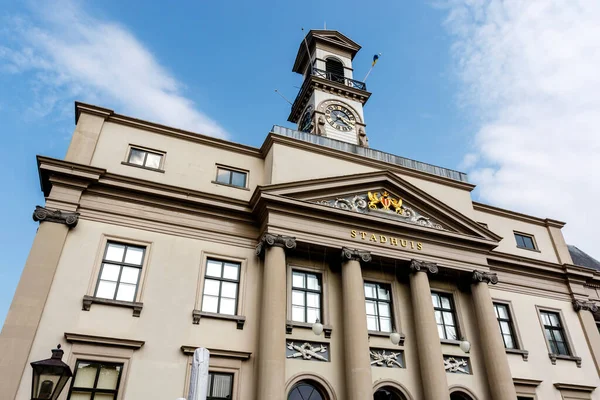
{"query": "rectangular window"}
(120, 272)
(445, 315)
(555, 334)
(145, 158)
(306, 297)
(525, 241)
(221, 287)
(378, 301)
(93, 380)
(220, 386)
(506, 325)
(231, 177)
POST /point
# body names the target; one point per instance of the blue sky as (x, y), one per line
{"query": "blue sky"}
(488, 87)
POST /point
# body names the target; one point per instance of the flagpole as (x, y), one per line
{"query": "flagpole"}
(366, 76)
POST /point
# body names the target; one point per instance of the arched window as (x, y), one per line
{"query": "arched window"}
(306, 390)
(388, 393)
(460, 396)
(335, 70)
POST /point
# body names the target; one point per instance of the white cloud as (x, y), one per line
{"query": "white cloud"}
(530, 73)
(73, 54)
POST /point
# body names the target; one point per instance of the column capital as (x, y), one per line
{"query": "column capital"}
(485, 277)
(42, 214)
(269, 240)
(423, 266)
(354, 254)
(583, 305)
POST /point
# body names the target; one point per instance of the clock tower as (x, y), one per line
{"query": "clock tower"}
(330, 102)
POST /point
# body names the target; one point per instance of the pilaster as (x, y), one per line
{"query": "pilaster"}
(585, 312)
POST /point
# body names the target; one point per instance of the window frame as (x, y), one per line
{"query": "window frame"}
(515, 326)
(528, 235)
(221, 280)
(221, 361)
(453, 310)
(390, 303)
(146, 150)
(93, 391)
(211, 378)
(568, 340)
(552, 329)
(121, 265)
(305, 292)
(231, 170)
(511, 325)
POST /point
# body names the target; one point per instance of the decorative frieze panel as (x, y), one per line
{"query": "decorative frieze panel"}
(457, 365)
(307, 351)
(382, 203)
(386, 358)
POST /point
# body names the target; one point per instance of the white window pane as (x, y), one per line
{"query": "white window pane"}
(369, 290)
(80, 396)
(504, 327)
(445, 302)
(106, 289)
(221, 386)
(508, 340)
(104, 396)
(153, 160)
(384, 309)
(496, 311)
(312, 314)
(372, 323)
(312, 282)
(441, 332)
(298, 280)
(383, 293)
(230, 271)
(562, 348)
(211, 287)
(545, 319)
(554, 320)
(229, 290)
(313, 300)
(297, 298)
(370, 307)
(114, 252)
(298, 314)
(223, 175)
(386, 324)
(438, 317)
(213, 268)
(110, 272)
(210, 304)
(448, 318)
(502, 312)
(109, 376)
(126, 292)
(435, 300)
(130, 275)
(451, 333)
(134, 255)
(85, 375)
(227, 306)
(136, 156)
(558, 336)
(238, 179)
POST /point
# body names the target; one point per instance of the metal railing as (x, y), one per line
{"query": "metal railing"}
(332, 76)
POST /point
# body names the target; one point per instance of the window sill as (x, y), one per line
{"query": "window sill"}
(239, 319)
(527, 248)
(523, 353)
(162, 171)
(89, 300)
(228, 185)
(554, 357)
(450, 342)
(290, 325)
(387, 335)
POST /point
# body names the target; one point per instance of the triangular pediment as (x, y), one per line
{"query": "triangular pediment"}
(383, 196)
(332, 38)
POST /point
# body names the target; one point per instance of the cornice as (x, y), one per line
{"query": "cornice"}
(220, 353)
(515, 215)
(103, 341)
(273, 138)
(574, 387)
(76, 172)
(527, 382)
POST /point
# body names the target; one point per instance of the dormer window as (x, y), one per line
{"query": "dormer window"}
(335, 70)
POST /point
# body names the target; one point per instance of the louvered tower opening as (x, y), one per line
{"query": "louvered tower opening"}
(335, 70)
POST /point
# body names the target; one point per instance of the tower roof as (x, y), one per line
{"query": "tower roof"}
(331, 38)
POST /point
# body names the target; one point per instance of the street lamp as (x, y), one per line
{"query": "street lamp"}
(49, 376)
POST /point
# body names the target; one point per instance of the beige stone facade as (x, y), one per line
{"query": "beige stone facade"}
(296, 208)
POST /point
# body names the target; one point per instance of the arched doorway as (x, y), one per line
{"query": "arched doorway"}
(388, 393)
(307, 390)
(460, 396)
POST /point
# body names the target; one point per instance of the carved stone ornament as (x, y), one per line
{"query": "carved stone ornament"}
(386, 358)
(353, 254)
(383, 204)
(457, 365)
(424, 266)
(580, 305)
(268, 240)
(42, 214)
(308, 351)
(486, 277)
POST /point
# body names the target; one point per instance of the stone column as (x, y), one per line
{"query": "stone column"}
(584, 312)
(492, 347)
(271, 349)
(30, 297)
(359, 384)
(429, 348)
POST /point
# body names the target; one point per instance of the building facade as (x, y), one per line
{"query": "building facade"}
(155, 241)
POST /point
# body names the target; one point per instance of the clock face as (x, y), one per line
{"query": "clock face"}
(340, 117)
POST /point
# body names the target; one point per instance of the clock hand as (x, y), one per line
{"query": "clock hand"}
(346, 120)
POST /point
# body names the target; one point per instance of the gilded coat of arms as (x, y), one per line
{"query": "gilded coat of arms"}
(384, 202)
